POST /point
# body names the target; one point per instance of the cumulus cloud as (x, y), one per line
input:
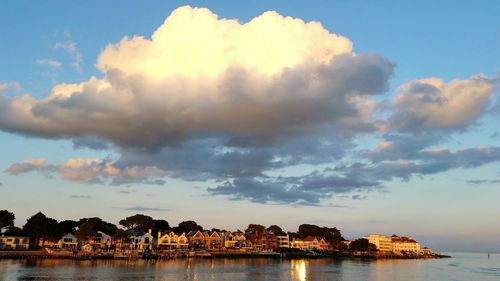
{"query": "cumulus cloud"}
(49, 62)
(431, 103)
(241, 104)
(201, 75)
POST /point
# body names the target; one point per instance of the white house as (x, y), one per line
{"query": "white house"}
(68, 241)
(141, 241)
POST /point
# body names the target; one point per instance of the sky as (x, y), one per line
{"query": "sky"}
(371, 117)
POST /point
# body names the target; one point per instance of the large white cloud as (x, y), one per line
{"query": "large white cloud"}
(198, 75)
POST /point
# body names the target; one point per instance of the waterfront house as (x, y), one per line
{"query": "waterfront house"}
(170, 240)
(68, 241)
(196, 239)
(141, 241)
(324, 245)
(404, 244)
(381, 242)
(228, 239)
(311, 243)
(241, 240)
(213, 241)
(14, 242)
(87, 248)
(101, 241)
(297, 244)
(283, 241)
(426, 251)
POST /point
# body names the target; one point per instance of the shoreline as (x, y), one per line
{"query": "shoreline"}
(217, 255)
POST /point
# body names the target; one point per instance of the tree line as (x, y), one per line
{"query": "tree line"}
(40, 227)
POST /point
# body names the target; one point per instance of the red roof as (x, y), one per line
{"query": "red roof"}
(309, 238)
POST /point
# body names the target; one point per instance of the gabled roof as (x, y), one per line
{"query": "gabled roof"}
(215, 233)
(310, 238)
(194, 233)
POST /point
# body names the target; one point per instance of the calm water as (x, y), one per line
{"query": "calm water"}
(465, 267)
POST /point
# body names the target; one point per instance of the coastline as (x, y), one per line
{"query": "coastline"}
(41, 254)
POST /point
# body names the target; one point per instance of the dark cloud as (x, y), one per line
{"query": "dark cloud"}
(307, 190)
(479, 182)
(265, 191)
(145, 209)
(126, 191)
(425, 162)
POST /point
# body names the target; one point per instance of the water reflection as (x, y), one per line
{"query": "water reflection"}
(463, 268)
(298, 271)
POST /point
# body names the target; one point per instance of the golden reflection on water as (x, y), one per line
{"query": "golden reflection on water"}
(299, 270)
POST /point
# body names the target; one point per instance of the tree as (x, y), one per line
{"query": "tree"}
(121, 235)
(6, 219)
(86, 231)
(276, 230)
(160, 225)
(14, 231)
(187, 226)
(97, 224)
(362, 245)
(67, 226)
(41, 227)
(138, 222)
(255, 229)
(331, 235)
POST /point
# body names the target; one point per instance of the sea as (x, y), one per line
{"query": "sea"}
(462, 266)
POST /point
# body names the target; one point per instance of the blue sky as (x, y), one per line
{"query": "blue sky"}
(437, 178)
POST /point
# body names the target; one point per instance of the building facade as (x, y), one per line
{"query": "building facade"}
(14, 243)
